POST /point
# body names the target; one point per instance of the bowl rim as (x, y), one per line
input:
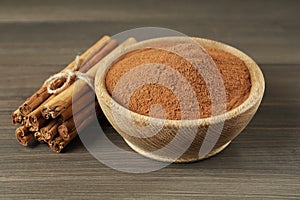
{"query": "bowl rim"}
(256, 91)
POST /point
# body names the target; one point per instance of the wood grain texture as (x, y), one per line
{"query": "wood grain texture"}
(38, 38)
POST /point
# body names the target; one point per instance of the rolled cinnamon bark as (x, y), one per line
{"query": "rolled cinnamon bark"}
(64, 99)
(35, 100)
(68, 131)
(67, 126)
(48, 131)
(58, 144)
(41, 95)
(18, 118)
(98, 56)
(35, 120)
(24, 136)
(34, 123)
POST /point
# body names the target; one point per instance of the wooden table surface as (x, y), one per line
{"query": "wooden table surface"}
(38, 38)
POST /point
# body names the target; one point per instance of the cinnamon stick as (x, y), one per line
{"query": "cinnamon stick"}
(67, 131)
(30, 113)
(58, 144)
(79, 103)
(35, 100)
(41, 95)
(67, 126)
(99, 55)
(57, 106)
(64, 99)
(24, 136)
(40, 122)
(50, 130)
(35, 120)
(18, 118)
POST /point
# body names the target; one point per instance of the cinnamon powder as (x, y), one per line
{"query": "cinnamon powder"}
(234, 72)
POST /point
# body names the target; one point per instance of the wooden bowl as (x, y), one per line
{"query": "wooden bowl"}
(176, 140)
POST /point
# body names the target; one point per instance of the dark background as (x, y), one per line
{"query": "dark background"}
(38, 38)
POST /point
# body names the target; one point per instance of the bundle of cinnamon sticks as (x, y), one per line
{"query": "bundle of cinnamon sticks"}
(49, 118)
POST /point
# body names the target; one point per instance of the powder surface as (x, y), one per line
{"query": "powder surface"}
(234, 72)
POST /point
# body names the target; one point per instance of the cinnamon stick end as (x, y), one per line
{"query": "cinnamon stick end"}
(26, 140)
(63, 132)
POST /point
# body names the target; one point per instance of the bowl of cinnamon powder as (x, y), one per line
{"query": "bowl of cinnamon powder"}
(179, 126)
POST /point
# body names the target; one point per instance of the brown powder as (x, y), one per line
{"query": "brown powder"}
(233, 70)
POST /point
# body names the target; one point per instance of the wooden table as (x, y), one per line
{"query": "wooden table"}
(38, 38)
